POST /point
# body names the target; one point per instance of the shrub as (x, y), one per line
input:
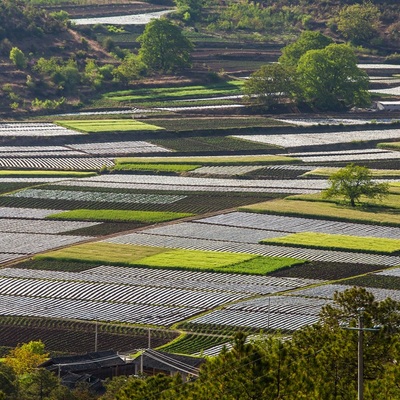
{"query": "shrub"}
(18, 58)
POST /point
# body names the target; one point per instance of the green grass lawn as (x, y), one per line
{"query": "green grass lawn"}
(376, 173)
(107, 125)
(177, 92)
(158, 257)
(42, 174)
(337, 242)
(330, 210)
(210, 160)
(155, 167)
(146, 217)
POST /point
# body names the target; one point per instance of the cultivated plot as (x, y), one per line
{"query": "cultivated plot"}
(34, 129)
(290, 140)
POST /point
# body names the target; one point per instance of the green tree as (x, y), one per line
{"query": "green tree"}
(18, 58)
(163, 47)
(25, 357)
(270, 85)
(330, 79)
(189, 9)
(352, 182)
(308, 40)
(359, 22)
(131, 68)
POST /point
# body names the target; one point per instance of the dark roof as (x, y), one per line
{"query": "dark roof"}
(84, 362)
(71, 381)
(163, 361)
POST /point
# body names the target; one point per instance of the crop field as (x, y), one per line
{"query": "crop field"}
(108, 125)
(178, 168)
(346, 156)
(228, 170)
(177, 93)
(142, 238)
(118, 148)
(145, 217)
(337, 242)
(212, 160)
(74, 337)
(139, 299)
(198, 144)
(37, 151)
(327, 291)
(212, 123)
(34, 130)
(51, 163)
(284, 313)
(174, 183)
(289, 141)
(41, 173)
(376, 173)
(159, 257)
(320, 209)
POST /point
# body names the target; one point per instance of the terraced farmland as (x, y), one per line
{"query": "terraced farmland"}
(31, 129)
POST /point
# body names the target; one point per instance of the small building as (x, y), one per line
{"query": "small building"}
(102, 365)
(388, 105)
(152, 362)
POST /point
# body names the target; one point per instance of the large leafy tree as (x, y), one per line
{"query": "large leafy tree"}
(308, 40)
(271, 84)
(352, 182)
(330, 79)
(163, 47)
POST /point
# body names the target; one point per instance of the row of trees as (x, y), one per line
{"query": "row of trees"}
(313, 70)
(318, 362)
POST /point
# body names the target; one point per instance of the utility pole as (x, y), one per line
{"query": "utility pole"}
(95, 337)
(360, 354)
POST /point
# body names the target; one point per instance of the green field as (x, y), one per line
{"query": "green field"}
(328, 210)
(40, 173)
(146, 217)
(158, 257)
(376, 173)
(154, 167)
(210, 160)
(107, 125)
(177, 92)
(101, 252)
(337, 242)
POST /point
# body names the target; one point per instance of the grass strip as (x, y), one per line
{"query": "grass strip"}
(45, 174)
(337, 242)
(376, 173)
(210, 160)
(390, 146)
(101, 252)
(319, 209)
(147, 217)
(155, 167)
(107, 125)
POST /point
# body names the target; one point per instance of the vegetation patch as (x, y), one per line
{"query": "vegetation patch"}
(337, 242)
(107, 125)
(101, 252)
(211, 160)
(320, 209)
(155, 167)
(390, 146)
(119, 215)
